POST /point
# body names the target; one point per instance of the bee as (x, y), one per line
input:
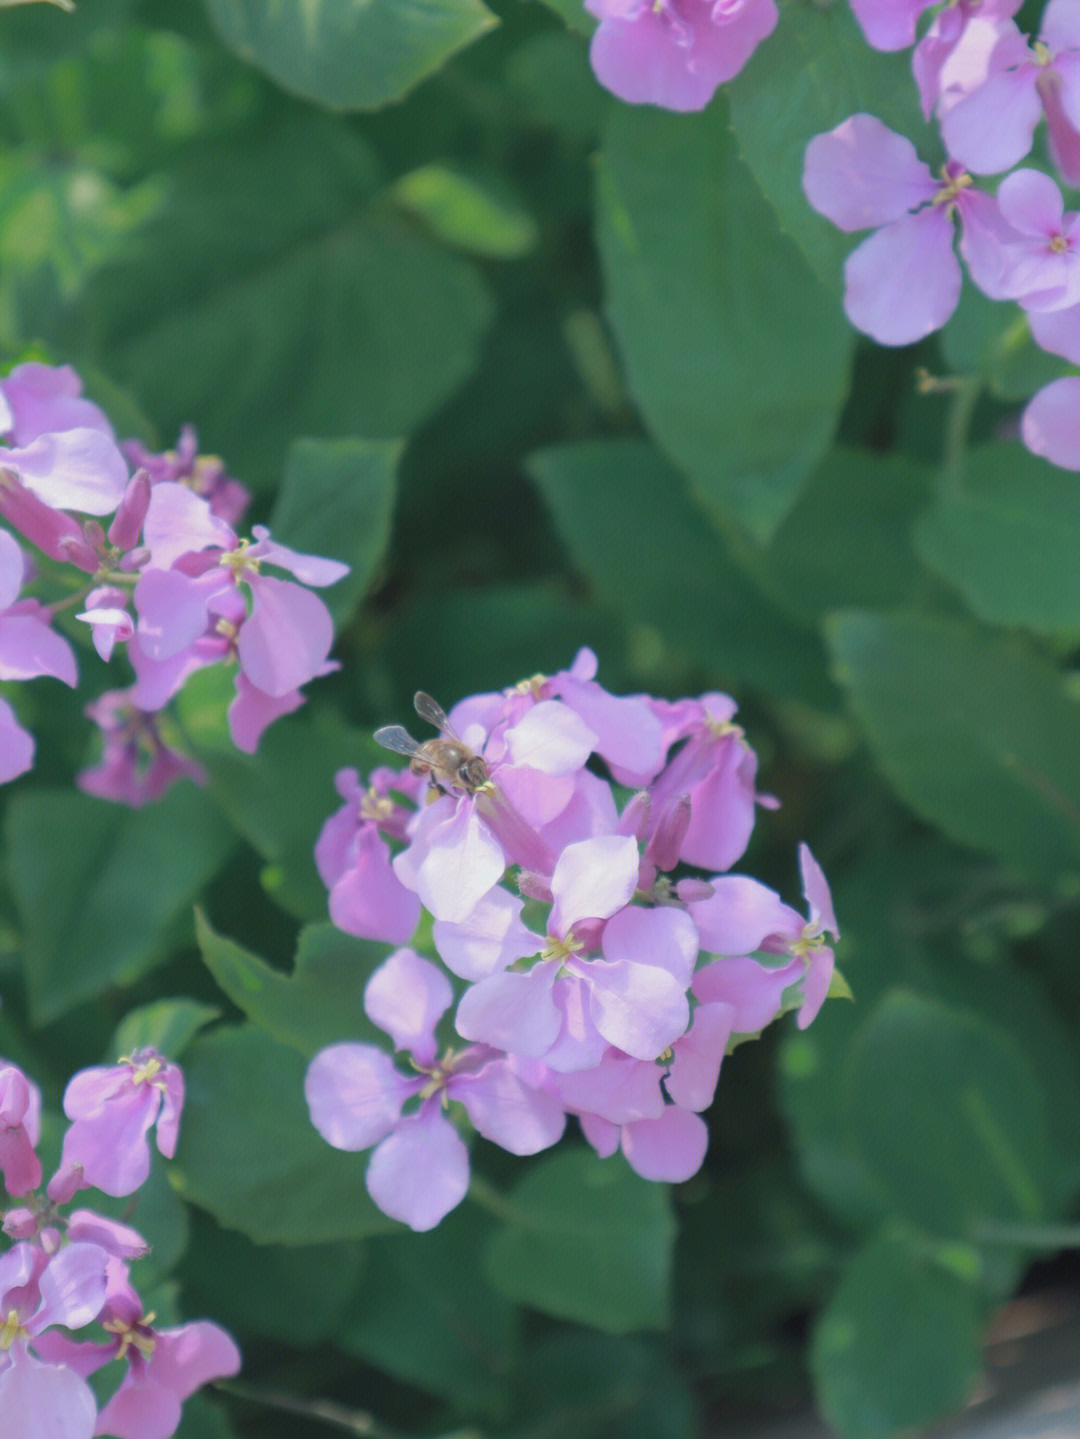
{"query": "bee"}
(448, 761)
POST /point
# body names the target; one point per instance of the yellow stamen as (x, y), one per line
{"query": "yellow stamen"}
(11, 1330)
(561, 949)
(376, 806)
(239, 561)
(132, 1336)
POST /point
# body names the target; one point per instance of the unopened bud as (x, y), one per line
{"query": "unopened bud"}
(534, 886)
(634, 819)
(670, 832)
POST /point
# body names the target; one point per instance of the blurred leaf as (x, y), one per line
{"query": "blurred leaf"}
(898, 1345)
(973, 730)
(320, 1003)
(586, 1239)
(99, 909)
(349, 54)
(462, 211)
(280, 798)
(295, 1295)
(167, 1025)
(1006, 535)
(549, 76)
(994, 341)
(815, 70)
(737, 357)
(324, 316)
(425, 1315)
(337, 500)
(203, 1419)
(947, 1113)
(844, 542)
(596, 1387)
(630, 526)
(573, 15)
(249, 1154)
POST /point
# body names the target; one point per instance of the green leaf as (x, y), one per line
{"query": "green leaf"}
(337, 500)
(167, 1025)
(815, 70)
(99, 909)
(736, 356)
(349, 54)
(843, 542)
(594, 1386)
(974, 731)
(464, 211)
(203, 1419)
(425, 1315)
(280, 799)
(586, 1239)
(948, 1115)
(321, 1002)
(1007, 537)
(619, 505)
(292, 1294)
(249, 1154)
(898, 1345)
(321, 316)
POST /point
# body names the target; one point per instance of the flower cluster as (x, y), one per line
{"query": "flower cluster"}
(168, 578)
(71, 1271)
(989, 87)
(605, 958)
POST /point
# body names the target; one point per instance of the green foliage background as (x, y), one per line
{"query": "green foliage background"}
(547, 370)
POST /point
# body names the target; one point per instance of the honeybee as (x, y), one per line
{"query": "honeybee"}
(448, 761)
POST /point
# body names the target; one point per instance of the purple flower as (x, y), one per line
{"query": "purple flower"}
(889, 24)
(164, 1366)
(1050, 426)
(1042, 270)
(675, 53)
(953, 57)
(20, 1109)
(112, 1110)
(991, 128)
(904, 281)
(37, 1292)
(137, 765)
(205, 474)
(419, 1167)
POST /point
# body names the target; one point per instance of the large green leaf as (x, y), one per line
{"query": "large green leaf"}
(898, 1345)
(99, 888)
(425, 1315)
(948, 1115)
(630, 526)
(349, 54)
(815, 70)
(586, 1239)
(267, 314)
(1007, 535)
(973, 729)
(320, 1003)
(736, 356)
(249, 1154)
(337, 500)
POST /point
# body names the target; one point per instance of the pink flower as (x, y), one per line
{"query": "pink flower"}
(205, 474)
(37, 1292)
(419, 1167)
(889, 24)
(20, 1108)
(991, 128)
(675, 53)
(137, 765)
(1050, 426)
(164, 1366)
(1042, 270)
(112, 1110)
(904, 281)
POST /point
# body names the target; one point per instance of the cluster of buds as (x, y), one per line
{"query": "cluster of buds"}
(71, 1271)
(169, 580)
(605, 960)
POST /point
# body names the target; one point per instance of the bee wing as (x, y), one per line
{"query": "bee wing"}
(397, 738)
(430, 710)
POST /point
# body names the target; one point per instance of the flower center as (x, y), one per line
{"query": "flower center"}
(951, 187)
(239, 561)
(143, 1073)
(1059, 244)
(136, 1336)
(376, 806)
(561, 949)
(11, 1330)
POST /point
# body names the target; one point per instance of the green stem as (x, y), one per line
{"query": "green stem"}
(489, 1198)
(337, 1416)
(968, 388)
